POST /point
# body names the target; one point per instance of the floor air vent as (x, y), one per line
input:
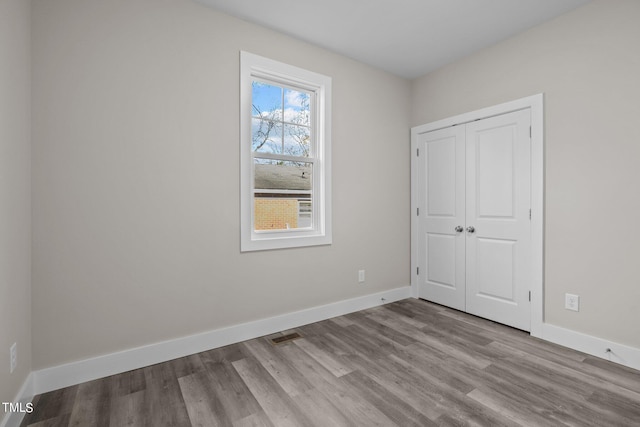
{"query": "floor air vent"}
(285, 338)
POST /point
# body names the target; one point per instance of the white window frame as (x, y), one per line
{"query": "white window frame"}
(257, 67)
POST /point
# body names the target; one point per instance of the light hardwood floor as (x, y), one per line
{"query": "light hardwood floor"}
(409, 363)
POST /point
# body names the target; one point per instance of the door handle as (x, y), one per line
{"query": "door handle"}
(459, 229)
(470, 229)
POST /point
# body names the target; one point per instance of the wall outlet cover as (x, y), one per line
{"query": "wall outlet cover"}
(572, 302)
(360, 276)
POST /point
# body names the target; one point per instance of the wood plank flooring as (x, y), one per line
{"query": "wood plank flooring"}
(409, 363)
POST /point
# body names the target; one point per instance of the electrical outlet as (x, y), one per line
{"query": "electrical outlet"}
(13, 357)
(572, 302)
(360, 276)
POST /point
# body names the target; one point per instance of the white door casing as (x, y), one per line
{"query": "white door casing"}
(489, 291)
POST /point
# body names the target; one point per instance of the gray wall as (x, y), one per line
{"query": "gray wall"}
(136, 179)
(15, 194)
(587, 63)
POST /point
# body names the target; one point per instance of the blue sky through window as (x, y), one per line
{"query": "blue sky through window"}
(265, 98)
(281, 123)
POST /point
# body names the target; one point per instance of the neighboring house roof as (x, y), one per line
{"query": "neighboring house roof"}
(281, 177)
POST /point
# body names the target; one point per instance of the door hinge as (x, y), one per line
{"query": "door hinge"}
(529, 296)
(529, 131)
(529, 213)
(418, 211)
(418, 271)
(418, 152)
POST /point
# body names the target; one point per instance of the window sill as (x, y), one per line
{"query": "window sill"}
(267, 242)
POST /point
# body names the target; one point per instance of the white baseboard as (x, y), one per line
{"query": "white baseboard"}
(622, 354)
(24, 396)
(110, 364)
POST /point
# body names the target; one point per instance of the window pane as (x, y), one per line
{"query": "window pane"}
(282, 195)
(266, 101)
(297, 140)
(296, 107)
(266, 136)
(304, 214)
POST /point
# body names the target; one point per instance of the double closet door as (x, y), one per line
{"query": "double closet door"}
(474, 220)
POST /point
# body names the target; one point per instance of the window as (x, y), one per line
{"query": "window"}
(285, 155)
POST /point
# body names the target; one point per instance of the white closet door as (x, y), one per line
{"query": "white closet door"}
(498, 225)
(442, 199)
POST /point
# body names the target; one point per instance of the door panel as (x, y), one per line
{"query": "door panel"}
(495, 268)
(497, 205)
(494, 178)
(441, 177)
(441, 257)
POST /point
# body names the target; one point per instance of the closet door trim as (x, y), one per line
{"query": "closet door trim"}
(535, 104)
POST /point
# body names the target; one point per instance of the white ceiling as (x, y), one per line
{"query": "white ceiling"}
(408, 38)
